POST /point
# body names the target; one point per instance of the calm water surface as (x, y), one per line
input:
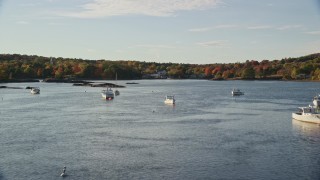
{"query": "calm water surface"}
(208, 134)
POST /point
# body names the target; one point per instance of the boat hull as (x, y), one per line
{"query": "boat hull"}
(311, 118)
(107, 96)
(237, 93)
(169, 101)
(35, 91)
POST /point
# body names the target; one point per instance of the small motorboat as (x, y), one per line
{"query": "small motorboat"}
(107, 94)
(170, 100)
(35, 90)
(63, 171)
(236, 92)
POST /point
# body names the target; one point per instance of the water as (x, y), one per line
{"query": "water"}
(208, 134)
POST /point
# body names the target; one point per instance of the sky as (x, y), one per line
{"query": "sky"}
(177, 31)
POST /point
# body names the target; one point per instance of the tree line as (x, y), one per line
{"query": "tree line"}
(16, 66)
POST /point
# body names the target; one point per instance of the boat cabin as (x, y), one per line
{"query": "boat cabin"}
(170, 100)
(308, 110)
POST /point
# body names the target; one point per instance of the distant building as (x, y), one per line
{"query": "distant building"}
(158, 75)
(69, 77)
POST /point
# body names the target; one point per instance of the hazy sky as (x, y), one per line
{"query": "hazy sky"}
(180, 31)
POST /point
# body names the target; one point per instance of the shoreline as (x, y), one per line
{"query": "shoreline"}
(88, 82)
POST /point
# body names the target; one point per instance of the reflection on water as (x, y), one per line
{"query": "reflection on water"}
(306, 129)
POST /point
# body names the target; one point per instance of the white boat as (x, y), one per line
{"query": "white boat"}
(35, 90)
(63, 172)
(316, 101)
(170, 100)
(309, 114)
(107, 94)
(236, 92)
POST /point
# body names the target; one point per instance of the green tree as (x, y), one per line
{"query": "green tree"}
(248, 73)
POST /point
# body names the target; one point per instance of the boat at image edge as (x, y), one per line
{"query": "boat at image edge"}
(107, 94)
(309, 114)
(316, 101)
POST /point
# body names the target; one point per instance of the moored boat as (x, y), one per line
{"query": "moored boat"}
(107, 94)
(35, 90)
(307, 114)
(170, 100)
(236, 92)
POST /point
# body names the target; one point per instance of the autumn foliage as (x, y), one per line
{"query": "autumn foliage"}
(16, 66)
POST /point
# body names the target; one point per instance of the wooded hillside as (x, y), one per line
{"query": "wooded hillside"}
(16, 66)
